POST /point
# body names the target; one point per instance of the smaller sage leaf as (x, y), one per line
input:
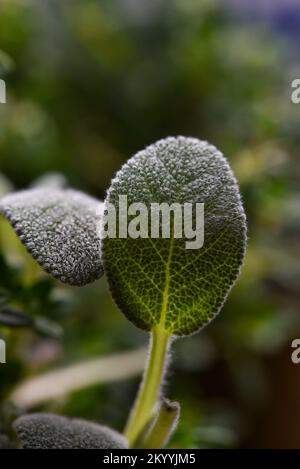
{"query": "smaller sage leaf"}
(50, 431)
(60, 228)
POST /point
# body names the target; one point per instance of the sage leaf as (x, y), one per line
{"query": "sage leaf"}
(158, 282)
(50, 431)
(60, 228)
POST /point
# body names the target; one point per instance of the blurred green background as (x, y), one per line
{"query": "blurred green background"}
(91, 82)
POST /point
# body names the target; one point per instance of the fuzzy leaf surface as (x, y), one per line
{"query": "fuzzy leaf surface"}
(159, 281)
(50, 431)
(60, 228)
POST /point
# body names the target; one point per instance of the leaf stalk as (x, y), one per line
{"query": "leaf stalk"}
(146, 403)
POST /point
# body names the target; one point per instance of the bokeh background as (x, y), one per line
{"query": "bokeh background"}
(91, 82)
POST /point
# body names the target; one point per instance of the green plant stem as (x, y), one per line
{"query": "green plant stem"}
(163, 427)
(147, 399)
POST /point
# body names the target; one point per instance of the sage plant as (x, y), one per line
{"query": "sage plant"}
(159, 285)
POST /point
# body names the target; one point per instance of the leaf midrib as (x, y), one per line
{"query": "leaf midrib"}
(165, 302)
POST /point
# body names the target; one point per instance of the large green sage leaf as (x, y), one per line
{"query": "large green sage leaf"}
(60, 228)
(159, 281)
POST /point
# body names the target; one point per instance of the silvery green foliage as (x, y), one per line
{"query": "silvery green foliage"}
(159, 281)
(49, 431)
(60, 228)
